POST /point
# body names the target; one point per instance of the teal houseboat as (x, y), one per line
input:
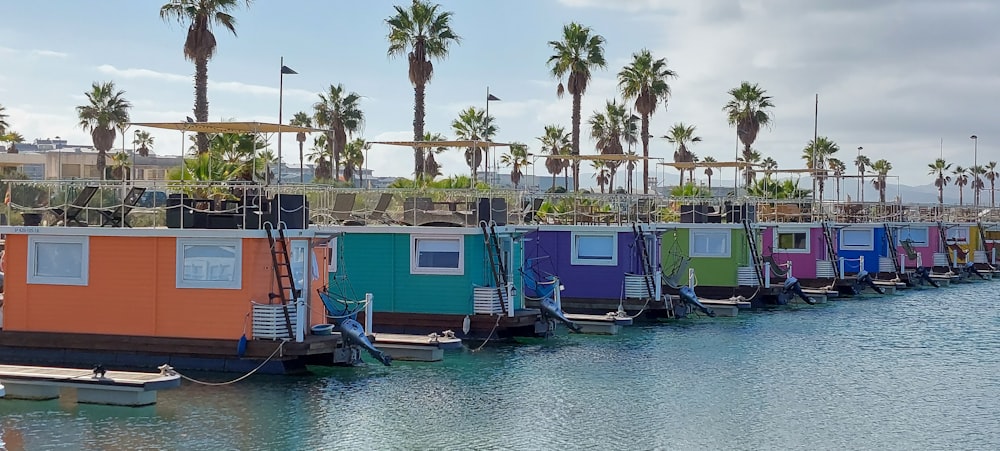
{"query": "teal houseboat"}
(435, 279)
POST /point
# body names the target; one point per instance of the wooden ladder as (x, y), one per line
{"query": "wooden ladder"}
(494, 256)
(282, 266)
(758, 268)
(647, 263)
(890, 237)
(831, 250)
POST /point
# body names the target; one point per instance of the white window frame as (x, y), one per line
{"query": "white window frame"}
(776, 242)
(858, 247)
(951, 232)
(415, 268)
(927, 236)
(33, 278)
(235, 284)
(574, 251)
(331, 255)
(726, 235)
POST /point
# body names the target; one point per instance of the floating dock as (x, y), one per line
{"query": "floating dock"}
(821, 295)
(607, 324)
(116, 388)
(418, 348)
(725, 307)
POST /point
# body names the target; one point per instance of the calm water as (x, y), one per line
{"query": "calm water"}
(914, 371)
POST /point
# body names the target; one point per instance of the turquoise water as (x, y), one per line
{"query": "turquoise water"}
(914, 371)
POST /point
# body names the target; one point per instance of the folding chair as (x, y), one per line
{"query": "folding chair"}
(69, 215)
(343, 207)
(118, 216)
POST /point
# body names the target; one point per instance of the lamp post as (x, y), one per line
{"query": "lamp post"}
(281, 94)
(975, 170)
(489, 98)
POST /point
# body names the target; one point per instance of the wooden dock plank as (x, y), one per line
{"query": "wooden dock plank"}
(74, 376)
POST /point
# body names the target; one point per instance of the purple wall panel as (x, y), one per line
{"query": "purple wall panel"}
(553, 253)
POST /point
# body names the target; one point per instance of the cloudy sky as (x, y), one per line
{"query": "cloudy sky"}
(897, 78)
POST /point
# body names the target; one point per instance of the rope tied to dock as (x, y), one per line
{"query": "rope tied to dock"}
(168, 369)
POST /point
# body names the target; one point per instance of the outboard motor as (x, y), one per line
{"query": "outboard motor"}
(866, 279)
(970, 266)
(792, 286)
(925, 276)
(551, 311)
(687, 295)
(354, 333)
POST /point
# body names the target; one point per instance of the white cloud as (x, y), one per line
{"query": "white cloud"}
(49, 53)
(235, 87)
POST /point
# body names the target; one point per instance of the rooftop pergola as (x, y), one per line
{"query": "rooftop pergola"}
(228, 127)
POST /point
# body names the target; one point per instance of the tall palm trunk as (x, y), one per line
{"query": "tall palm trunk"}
(993, 193)
(838, 189)
(554, 182)
(748, 172)
(418, 128)
(576, 140)
(201, 98)
(710, 183)
(645, 154)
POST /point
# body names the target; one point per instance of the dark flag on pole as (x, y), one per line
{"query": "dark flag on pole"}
(490, 97)
(287, 70)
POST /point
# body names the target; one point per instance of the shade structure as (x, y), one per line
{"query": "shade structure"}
(610, 157)
(713, 164)
(228, 127)
(426, 144)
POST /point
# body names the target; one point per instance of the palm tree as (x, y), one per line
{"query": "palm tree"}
(838, 167)
(747, 110)
(338, 111)
(420, 32)
(862, 162)
(579, 51)
(120, 166)
(354, 157)
(517, 158)
(3, 121)
(199, 46)
(144, 141)
(609, 128)
(601, 173)
(431, 167)
(555, 141)
(961, 179)
(937, 168)
(106, 111)
(708, 171)
(645, 80)
(682, 135)
(977, 173)
(816, 155)
(472, 124)
(301, 119)
(12, 138)
(991, 175)
(881, 168)
(321, 155)
(753, 159)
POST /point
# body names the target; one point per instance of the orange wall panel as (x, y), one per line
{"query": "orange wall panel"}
(132, 291)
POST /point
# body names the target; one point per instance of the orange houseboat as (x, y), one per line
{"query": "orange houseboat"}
(144, 297)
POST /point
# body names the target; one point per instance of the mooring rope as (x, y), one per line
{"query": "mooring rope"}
(495, 327)
(215, 384)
